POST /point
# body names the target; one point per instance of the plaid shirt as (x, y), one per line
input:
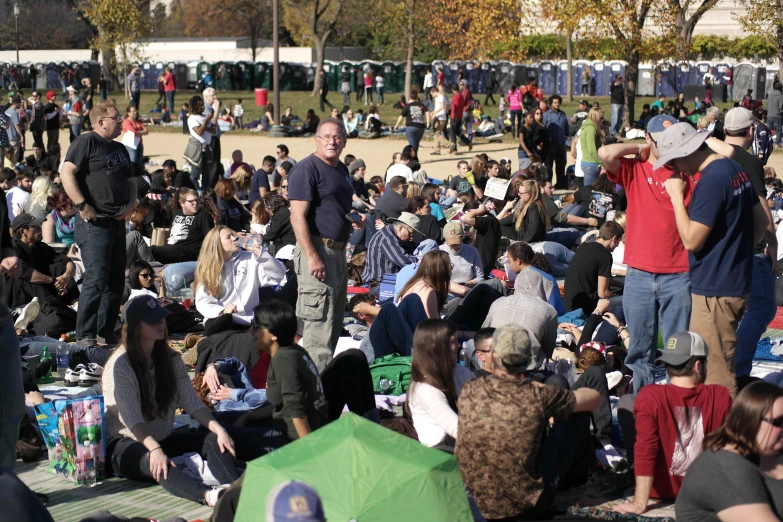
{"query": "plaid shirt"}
(385, 255)
(4, 123)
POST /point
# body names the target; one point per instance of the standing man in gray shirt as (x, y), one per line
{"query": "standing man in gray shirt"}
(134, 86)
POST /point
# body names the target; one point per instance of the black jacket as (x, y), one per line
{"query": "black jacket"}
(280, 232)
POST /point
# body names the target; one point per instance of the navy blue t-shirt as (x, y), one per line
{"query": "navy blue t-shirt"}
(723, 199)
(328, 190)
(259, 180)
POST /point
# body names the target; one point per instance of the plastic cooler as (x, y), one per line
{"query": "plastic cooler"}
(262, 97)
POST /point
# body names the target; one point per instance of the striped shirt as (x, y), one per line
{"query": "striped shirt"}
(385, 255)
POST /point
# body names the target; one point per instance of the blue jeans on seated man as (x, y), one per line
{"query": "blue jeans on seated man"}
(31, 346)
(558, 255)
(575, 210)
(177, 275)
(565, 236)
(759, 312)
(653, 303)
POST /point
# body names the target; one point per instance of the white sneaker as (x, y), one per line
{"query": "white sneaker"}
(27, 314)
(613, 379)
(611, 459)
(90, 374)
(212, 496)
(72, 376)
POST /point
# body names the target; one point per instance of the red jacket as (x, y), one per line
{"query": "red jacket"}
(170, 82)
(457, 105)
(671, 423)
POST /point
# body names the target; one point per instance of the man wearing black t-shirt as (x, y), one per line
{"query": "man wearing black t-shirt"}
(761, 307)
(587, 278)
(320, 190)
(98, 177)
(52, 112)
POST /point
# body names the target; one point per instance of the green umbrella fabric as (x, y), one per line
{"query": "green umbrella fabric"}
(363, 472)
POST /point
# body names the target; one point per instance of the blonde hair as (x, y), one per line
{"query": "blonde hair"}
(477, 166)
(702, 123)
(42, 189)
(101, 110)
(242, 177)
(535, 199)
(620, 218)
(413, 190)
(210, 263)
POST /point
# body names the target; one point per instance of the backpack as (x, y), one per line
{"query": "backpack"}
(395, 371)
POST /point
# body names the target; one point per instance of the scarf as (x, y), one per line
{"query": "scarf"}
(63, 227)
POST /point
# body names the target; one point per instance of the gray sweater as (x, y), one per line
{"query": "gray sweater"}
(123, 402)
(465, 264)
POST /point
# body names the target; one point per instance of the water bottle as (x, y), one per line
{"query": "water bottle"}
(46, 357)
(89, 478)
(463, 358)
(63, 358)
(385, 385)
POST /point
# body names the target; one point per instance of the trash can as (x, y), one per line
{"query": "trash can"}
(262, 97)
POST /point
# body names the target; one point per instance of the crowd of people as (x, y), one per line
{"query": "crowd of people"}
(650, 278)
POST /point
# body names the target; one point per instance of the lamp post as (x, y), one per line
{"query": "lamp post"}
(16, 15)
(276, 131)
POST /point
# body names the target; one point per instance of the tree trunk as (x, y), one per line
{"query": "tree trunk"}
(631, 77)
(779, 35)
(570, 59)
(94, 53)
(319, 43)
(409, 58)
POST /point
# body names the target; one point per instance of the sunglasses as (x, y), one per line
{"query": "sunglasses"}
(777, 422)
(145, 275)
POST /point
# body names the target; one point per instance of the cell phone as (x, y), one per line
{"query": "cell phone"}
(353, 217)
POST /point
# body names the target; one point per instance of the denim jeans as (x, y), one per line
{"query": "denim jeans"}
(558, 255)
(775, 124)
(379, 93)
(135, 97)
(521, 154)
(11, 394)
(564, 236)
(170, 100)
(137, 154)
(31, 346)
(177, 275)
(414, 135)
(760, 310)
(467, 120)
(516, 122)
(102, 243)
(653, 302)
(591, 172)
(575, 210)
(76, 129)
(617, 119)
(195, 176)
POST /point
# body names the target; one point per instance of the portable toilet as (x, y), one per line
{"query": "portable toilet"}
(262, 75)
(599, 83)
(645, 83)
(470, 73)
(504, 74)
(52, 73)
(180, 71)
(749, 76)
(420, 70)
(699, 70)
(192, 75)
(222, 76)
(547, 77)
(665, 80)
(614, 67)
(340, 66)
(205, 68)
(720, 71)
(332, 70)
(579, 67)
(455, 71)
(444, 67)
(40, 76)
(244, 76)
(285, 75)
(771, 73)
(389, 72)
(684, 73)
(309, 69)
(149, 79)
(562, 78)
(482, 69)
(520, 73)
(298, 74)
(531, 73)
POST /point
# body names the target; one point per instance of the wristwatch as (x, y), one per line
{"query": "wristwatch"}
(80, 206)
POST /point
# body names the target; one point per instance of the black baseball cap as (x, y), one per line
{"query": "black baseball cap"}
(144, 308)
(25, 220)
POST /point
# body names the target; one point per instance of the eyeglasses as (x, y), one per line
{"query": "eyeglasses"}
(331, 139)
(117, 118)
(484, 351)
(777, 422)
(145, 275)
(192, 201)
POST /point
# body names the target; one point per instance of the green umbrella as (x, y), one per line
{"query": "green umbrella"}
(363, 472)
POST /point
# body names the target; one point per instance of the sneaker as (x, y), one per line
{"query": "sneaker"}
(611, 459)
(72, 375)
(90, 375)
(212, 496)
(27, 314)
(87, 342)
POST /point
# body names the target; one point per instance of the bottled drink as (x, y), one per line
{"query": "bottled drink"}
(463, 358)
(63, 358)
(89, 478)
(385, 384)
(46, 358)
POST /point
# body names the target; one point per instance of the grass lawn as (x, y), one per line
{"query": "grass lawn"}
(302, 101)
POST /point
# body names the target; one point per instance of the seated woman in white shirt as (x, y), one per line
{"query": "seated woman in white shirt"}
(228, 278)
(432, 395)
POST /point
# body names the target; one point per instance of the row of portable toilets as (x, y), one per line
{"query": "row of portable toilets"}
(552, 77)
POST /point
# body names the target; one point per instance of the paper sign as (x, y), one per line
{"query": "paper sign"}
(129, 139)
(497, 188)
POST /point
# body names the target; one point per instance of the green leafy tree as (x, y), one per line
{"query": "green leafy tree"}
(764, 18)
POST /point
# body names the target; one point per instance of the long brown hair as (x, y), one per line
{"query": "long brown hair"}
(432, 361)
(741, 426)
(156, 393)
(435, 270)
(535, 199)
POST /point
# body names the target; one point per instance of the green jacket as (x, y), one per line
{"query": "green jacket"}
(590, 142)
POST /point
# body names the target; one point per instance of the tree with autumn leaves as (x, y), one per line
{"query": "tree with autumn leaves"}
(765, 18)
